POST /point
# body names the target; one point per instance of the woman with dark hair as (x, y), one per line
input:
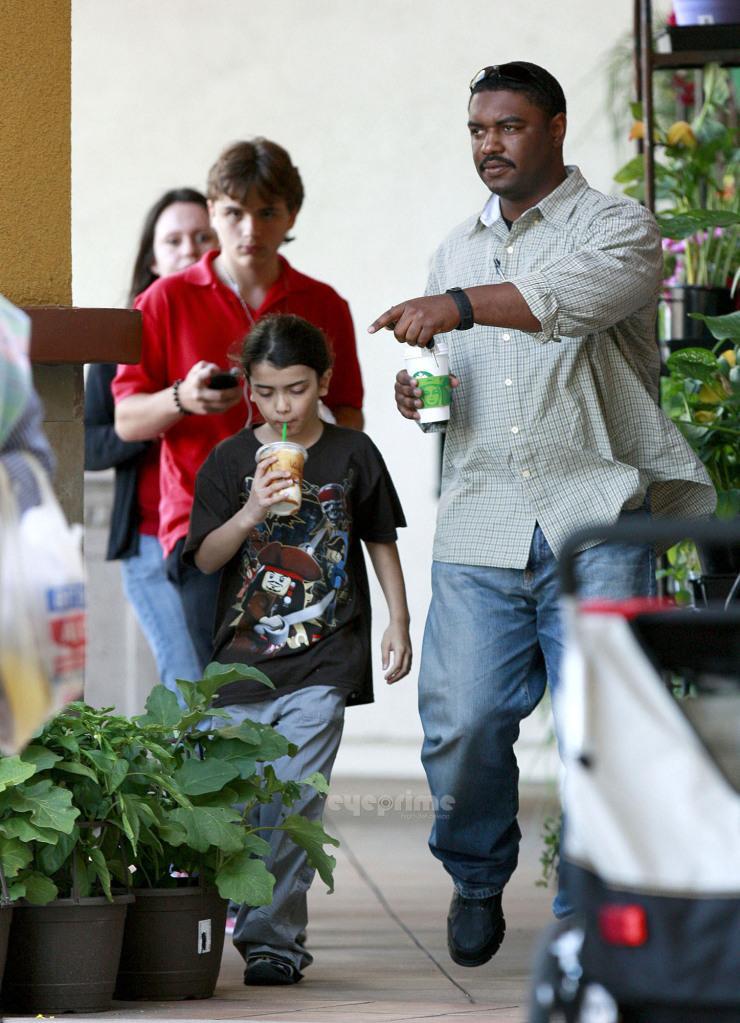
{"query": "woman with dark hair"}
(175, 234)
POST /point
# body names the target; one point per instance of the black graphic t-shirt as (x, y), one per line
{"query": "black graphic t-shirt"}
(294, 600)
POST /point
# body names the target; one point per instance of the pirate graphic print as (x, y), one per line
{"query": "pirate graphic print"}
(293, 573)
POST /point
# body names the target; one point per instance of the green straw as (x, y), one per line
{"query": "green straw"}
(285, 431)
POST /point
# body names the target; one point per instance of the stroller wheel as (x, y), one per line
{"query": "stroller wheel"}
(559, 991)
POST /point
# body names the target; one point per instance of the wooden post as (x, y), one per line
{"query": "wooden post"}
(35, 229)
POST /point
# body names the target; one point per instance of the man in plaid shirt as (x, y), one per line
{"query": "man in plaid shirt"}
(554, 426)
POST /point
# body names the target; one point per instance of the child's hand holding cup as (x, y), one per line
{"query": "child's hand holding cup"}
(288, 457)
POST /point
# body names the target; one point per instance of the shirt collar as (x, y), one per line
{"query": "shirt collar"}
(203, 274)
(555, 207)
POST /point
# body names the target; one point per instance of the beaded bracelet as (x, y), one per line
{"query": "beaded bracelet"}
(176, 395)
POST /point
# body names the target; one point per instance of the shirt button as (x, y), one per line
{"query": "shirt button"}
(508, 382)
(509, 248)
(515, 429)
(526, 474)
(506, 337)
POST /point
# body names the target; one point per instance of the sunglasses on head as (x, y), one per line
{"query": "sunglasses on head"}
(508, 72)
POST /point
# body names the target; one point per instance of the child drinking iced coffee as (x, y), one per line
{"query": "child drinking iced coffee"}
(286, 527)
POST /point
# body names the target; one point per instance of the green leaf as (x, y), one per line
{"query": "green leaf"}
(256, 845)
(50, 806)
(217, 675)
(310, 835)
(317, 781)
(197, 777)
(39, 889)
(728, 504)
(130, 821)
(243, 879)
(724, 328)
(13, 771)
(104, 762)
(101, 869)
(232, 751)
(68, 742)
(172, 833)
(693, 364)
(267, 743)
(51, 858)
(162, 709)
(633, 170)
(79, 769)
(119, 772)
(22, 828)
(14, 855)
(683, 225)
(41, 757)
(207, 826)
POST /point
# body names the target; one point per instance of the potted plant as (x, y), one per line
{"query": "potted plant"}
(59, 841)
(695, 172)
(98, 800)
(702, 396)
(190, 842)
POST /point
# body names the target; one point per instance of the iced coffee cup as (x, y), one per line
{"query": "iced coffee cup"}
(430, 372)
(289, 457)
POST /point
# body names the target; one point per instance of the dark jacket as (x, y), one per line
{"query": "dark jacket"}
(104, 449)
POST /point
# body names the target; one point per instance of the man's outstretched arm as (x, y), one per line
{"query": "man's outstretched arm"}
(417, 320)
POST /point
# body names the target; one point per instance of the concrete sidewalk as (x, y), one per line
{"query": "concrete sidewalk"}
(379, 941)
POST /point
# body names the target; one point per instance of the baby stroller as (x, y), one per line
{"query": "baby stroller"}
(651, 841)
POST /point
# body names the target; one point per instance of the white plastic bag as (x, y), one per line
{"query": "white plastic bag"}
(42, 612)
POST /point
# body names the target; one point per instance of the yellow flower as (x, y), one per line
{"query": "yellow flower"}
(637, 131)
(680, 134)
(712, 394)
(730, 357)
(728, 188)
(705, 417)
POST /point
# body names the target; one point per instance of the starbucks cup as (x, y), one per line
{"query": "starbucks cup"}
(289, 458)
(430, 372)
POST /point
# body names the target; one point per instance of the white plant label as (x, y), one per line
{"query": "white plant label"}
(204, 937)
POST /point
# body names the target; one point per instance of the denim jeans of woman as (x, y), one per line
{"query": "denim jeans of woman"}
(158, 608)
(493, 642)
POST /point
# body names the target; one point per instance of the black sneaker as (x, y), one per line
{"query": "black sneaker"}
(270, 968)
(475, 929)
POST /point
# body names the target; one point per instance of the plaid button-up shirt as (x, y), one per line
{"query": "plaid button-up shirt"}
(561, 427)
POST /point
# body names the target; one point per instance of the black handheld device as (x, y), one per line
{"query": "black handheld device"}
(223, 381)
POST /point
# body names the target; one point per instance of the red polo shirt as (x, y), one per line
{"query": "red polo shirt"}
(191, 316)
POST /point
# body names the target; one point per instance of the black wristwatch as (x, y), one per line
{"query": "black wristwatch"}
(463, 307)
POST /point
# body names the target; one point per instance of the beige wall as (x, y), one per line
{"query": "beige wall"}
(370, 98)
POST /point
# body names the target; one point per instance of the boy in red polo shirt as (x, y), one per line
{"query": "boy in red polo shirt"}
(193, 322)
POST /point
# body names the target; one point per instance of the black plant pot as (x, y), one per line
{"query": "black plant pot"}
(713, 588)
(6, 915)
(172, 945)
(677, 329)
(63, 957)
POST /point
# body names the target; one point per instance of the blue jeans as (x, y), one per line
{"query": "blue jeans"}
(158, 608)
(493, 641)
(199, 595)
